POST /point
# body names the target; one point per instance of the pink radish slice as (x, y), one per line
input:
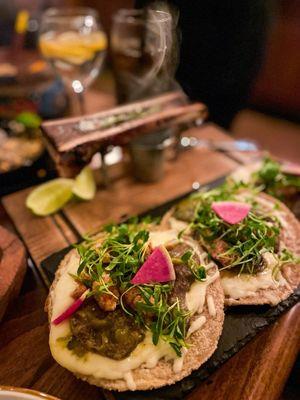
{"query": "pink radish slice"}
(157, 268)
(290, 168)
(70, 310)
(232, 212)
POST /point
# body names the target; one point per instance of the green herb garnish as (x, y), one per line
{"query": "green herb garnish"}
(119, 253)
(243, 242)
(200, 273)
(169, 321)
(186, 256)
(272, 180)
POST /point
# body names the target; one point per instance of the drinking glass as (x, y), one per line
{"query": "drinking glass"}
(143, 53)
(73, 42)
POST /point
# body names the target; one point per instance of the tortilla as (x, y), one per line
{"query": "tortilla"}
(290, 273)
(244, 173)
(290, 237)
(203, 342)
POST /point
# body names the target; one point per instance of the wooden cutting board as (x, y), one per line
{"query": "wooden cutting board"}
(258, 371)
(12, 268)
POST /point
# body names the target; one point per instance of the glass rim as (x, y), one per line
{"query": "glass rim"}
(69, 12)
(136, 16)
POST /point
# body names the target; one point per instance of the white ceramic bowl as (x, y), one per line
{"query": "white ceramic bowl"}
(13, 393)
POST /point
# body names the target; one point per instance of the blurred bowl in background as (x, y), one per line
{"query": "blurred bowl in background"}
(13, 393)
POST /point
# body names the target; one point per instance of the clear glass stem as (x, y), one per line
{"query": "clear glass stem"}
(81, 102)
(78, 98)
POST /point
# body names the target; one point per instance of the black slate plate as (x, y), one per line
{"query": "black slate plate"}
(240, 326)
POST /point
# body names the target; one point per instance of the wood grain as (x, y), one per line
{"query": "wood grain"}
(124, 197)
(25, 356)
(215, 133)
(42, 236)
(12, 267)
(261, 368)
(127, 197)
(257, 372)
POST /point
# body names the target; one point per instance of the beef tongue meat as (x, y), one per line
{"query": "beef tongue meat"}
(184, 275)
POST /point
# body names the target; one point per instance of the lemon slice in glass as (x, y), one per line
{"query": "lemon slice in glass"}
(50, 196)
(85, 185)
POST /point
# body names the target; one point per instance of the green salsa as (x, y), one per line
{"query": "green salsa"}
(114, 334)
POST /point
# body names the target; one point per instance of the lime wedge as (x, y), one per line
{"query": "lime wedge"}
(85, 185)
(50, 196)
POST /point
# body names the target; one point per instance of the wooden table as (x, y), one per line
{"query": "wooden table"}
(258, 371)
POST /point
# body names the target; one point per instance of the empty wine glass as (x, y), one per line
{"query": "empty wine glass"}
(73, 42)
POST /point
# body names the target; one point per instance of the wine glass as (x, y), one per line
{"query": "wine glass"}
(143, 53)
(73, 42)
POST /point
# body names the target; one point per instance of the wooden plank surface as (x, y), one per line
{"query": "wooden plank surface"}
(127, 197)
(87, 216)
(13, 265)
(42, 236)
(260, 369)
(214, 132)
(124, 197)
(256, 372)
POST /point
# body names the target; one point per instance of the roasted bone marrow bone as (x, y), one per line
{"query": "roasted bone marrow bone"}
(72, 142)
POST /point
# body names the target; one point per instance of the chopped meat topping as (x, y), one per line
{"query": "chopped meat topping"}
(133, 296)
(79, 290)
(184, 274)
(109, 299)
(217, 250)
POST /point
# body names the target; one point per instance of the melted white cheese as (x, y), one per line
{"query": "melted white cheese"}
(128, 378)
(269, 259)
(151, 361)
(195, 297)
(195, 325)
(94, 364)
(244, 285)
(210, 265)
(178, 363)
(158, 238)
(177, 225)
(145, 353)
(243, 174)
(211, 306)
(269, 205)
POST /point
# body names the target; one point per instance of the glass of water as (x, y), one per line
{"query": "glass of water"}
(143, 53)
(74, 44)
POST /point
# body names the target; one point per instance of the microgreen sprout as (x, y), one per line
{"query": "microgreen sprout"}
(270, 179)
(119, 252)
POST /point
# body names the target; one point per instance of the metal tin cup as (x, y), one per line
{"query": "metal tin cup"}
(148, 156)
